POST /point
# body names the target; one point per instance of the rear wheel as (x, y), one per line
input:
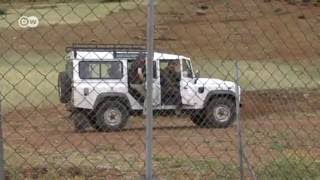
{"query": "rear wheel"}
(111, 116)
(80, 121)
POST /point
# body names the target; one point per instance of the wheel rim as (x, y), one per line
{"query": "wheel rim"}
(112, 117)
(222, 113)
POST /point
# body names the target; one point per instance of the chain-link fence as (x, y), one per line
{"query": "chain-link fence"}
(233, 87)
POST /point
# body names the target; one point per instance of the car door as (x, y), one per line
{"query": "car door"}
(187, 85)
(156, 87)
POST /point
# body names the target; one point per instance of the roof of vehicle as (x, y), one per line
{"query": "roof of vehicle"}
(113, 51)
(87, 55)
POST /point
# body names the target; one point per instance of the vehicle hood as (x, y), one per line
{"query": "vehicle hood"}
(217, 84)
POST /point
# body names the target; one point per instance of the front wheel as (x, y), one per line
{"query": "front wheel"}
(219, 113)
(111, 116)
(198, 118)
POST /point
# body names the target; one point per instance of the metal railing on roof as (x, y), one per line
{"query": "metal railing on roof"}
(106, 47)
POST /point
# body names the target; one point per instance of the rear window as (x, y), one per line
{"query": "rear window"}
(100, 70)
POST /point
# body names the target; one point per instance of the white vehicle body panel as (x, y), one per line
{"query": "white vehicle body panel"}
(192, 97)
(86, 91)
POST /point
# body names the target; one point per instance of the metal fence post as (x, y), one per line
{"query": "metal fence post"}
(239, 127)
(1, 143)
(148, 104)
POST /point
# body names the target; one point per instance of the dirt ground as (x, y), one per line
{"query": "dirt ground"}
(275, 123)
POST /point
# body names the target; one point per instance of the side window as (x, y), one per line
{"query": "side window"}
(93, 71)
(164, 63)
(132, 68)
(186, 69)
(112, 70)
(155, 70)
(100, 70)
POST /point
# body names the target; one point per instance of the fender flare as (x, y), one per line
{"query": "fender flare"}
(113, 96)
(218, 92)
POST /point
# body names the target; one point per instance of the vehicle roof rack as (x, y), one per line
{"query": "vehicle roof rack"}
(106, 47)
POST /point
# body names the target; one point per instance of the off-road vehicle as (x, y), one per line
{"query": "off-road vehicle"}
(95, 87)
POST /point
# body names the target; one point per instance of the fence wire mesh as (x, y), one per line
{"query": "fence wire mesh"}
(73, 89)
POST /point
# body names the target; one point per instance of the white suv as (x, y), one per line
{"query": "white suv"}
(96, 88)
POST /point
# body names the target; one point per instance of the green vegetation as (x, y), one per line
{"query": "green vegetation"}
(173, 168)
(2, 12)
(69, 12)
(257, 75)
(279, 141)
(23, 163)
(292, 167)
(30, 80)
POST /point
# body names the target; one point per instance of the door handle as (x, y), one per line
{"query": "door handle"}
(86, 91)
(185, 87)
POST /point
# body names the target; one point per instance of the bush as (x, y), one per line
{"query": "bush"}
(2, 12)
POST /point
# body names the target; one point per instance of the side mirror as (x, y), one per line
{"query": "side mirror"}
(197, 76)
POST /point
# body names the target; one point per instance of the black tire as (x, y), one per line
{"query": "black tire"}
(64, 87)
(80, 121)
(198, 118)
(93, 121)
(210, 117)
(116, 118)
